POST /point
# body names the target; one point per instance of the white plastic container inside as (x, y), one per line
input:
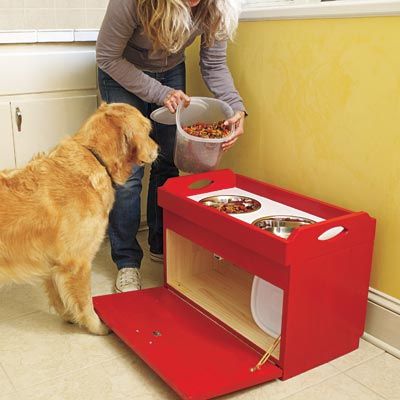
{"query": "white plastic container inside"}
(266, 306)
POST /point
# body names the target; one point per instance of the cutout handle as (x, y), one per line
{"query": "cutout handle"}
(332, 233)
(200, 184)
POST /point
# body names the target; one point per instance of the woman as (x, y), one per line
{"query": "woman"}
(140, 55)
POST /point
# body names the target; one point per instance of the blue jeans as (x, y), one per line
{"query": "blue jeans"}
(124, 218)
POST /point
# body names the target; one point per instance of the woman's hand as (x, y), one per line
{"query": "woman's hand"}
(237, 121)
(173, 98)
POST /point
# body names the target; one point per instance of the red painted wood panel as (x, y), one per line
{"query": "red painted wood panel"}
(193, 354)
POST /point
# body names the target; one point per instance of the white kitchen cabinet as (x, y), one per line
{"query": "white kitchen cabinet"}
(47, 92)
(7, 159)
(40, 124)
(45, 68)
(54, 88)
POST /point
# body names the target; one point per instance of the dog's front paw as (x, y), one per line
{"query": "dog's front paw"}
(100, 329)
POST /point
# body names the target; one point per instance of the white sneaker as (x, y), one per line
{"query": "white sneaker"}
(156, 257)
(128, 279)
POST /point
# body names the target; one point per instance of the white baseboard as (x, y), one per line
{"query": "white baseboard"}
(384, 300)
(382, 345)
(383, 322)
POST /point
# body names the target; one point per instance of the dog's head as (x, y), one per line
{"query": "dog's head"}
(119, 134)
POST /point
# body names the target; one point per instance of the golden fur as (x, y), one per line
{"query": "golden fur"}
(54, 212)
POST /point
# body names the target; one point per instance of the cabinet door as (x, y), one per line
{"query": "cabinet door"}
(199, 358)
(7, 159)
(44, 122)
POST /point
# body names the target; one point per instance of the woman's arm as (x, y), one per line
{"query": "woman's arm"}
(217, 76)
(219, 81)
(117, 28)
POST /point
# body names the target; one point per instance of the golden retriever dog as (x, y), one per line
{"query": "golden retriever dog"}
(54, 212)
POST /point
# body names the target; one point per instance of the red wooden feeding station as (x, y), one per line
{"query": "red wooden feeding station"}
(207, 331)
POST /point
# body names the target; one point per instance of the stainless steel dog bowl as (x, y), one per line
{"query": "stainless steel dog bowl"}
(232, 204)
(281, 225)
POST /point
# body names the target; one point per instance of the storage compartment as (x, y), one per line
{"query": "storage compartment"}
(219, 287)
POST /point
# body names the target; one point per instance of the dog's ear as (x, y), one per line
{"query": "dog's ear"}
(139, 128)
(126, 144)
(115, 149)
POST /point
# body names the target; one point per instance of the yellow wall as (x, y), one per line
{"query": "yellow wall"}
(323, 98)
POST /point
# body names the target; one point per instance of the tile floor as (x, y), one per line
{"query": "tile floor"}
(43, 358)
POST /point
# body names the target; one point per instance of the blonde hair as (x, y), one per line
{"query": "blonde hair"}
(169, 23)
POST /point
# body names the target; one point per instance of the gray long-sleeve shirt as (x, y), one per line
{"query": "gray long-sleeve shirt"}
(124, 52)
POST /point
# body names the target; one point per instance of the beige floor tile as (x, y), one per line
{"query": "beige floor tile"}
(10, 396)
(40, 346)
(131, 367)
(278, 389)
(381, 374)
(5, 384)
(340, 387)
(18, 300)
(365, 352)
(120, 379)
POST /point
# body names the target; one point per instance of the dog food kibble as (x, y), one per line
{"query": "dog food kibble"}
(232, 206)
(216, 130)
(236, 207)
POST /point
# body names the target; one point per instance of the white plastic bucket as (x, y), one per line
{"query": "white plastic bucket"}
(192, 153)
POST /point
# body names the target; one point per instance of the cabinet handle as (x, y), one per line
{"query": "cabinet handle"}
(18, 118)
